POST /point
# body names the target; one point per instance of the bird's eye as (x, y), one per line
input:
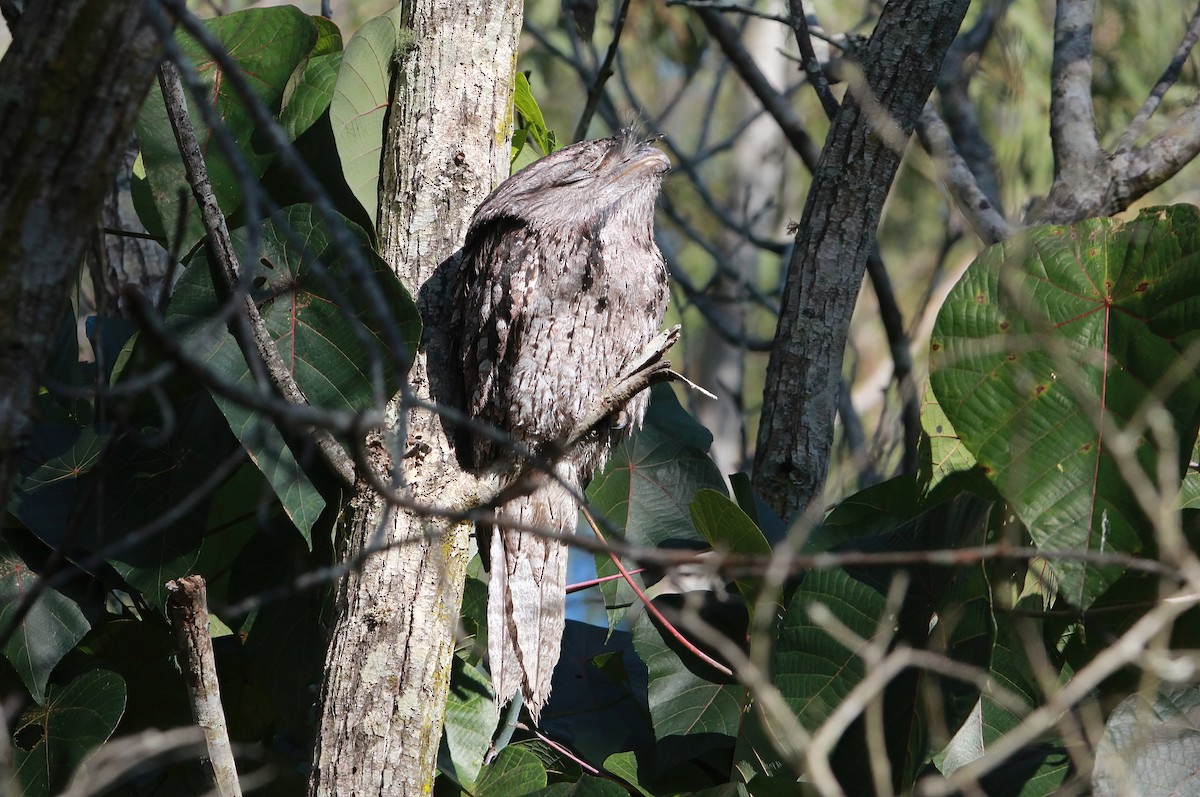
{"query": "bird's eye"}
(579, 175)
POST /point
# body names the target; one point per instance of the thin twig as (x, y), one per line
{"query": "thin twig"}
(808, 58)
(1168, 78)
(596, 89)
(649, 604)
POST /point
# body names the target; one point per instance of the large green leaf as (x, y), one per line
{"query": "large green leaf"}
(267, 44)
(470, 722)
(330, 349)
(693, 708)
(515, 773)
(51, 627)
(1037, 770)
(727, 528)
(586, 786)
(55, 458)
(311, 88)
(648, 487)
(360, 103)
(812, 670)
(51, 740)
(1049, 337)
(1151, 745)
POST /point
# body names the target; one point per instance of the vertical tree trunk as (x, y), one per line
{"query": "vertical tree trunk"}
(862, 152)
(71, 85)
(388, 667)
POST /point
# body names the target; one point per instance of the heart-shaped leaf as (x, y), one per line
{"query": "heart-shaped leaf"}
(51, 740)
(1051, 350)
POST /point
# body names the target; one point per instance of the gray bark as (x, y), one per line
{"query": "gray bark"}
(862, 152)
(388, 667)
(70, 88)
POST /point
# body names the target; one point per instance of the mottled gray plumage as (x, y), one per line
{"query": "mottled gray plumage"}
(561, 288)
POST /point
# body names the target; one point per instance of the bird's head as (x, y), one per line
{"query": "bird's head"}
(585, 182)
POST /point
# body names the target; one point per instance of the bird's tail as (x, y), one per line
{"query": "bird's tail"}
(527, 593)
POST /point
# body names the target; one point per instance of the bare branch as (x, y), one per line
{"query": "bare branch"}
(981, 212)
(187, 605)
(781, 111)
(596, 88)
(1072, 119)
(808, 58)
(958, 109)
(1168, 78)
(1159, 159)
(221, 247)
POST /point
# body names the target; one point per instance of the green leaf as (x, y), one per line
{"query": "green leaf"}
(814, 672)
(1151, 745)
(514, 773)
(51, 740)
(532, 125)
(267, 44)
(727, 528)
(946, 453)
(330, 356)
(586, 786)
(649, 484)
(625, 766)
(360, 102)
(1037, 770)
(55, 458)
(311, 94)
(53, 625)
(471, 717)
(1048, 336)
(692, 706)
(142, 482)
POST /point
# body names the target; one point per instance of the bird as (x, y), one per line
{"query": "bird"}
(561, 286)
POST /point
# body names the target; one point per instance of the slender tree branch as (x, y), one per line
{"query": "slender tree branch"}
(1159, 159)
(1165, 82)
(187, 605)
(221, 247)
(596, 88)
(780, 109)
(1072, 119)
(958, 109)
(980, 211)
(808, 58)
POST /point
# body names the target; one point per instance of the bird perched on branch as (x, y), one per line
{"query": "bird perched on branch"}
(561, 288)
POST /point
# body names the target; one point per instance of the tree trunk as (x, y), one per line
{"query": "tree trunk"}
(388, 667)
(71, 85)
(862, 152)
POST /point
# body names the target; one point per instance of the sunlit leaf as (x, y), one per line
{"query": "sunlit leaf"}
(514, 773)
(1151, 745)
(1049, 337)
(359, 105)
